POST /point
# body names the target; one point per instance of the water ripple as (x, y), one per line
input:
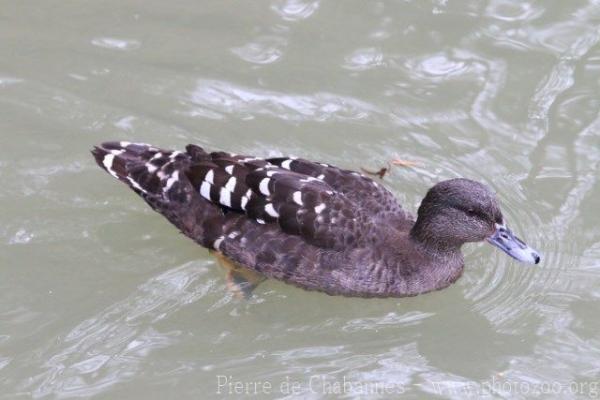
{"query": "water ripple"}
(392, 320)
(294, 10)
(437, 65)
(116, 44)
(510, 10)
(262, 50)
(7, 81)
(224, 97)
(504, 92)
(110, 347)
(364, 59)
(559, 79)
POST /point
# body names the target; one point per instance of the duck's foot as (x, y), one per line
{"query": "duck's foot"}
(381, 173)
(404, 163)
(241, 281)
(384, 170)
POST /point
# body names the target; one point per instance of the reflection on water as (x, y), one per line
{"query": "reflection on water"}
(99, 296)
(222, 97)
(263, 50)
(293, 10)
(117, 44)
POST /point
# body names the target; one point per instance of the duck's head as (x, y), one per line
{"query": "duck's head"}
(457, 211)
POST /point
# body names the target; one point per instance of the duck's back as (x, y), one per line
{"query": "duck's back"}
(288, 218)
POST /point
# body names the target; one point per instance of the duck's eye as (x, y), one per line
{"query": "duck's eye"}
(475, 213)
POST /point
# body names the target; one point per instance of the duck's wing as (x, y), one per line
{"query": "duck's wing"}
(366, 194)
(221, 197)
(269, 193)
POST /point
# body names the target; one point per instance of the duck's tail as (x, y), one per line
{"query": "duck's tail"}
(159, 177)
(146, 169)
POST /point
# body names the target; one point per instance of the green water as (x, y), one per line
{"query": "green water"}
(100, 297)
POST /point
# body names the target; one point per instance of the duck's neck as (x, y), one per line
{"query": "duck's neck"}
(429, 235)
(418, 265)
(441, 259)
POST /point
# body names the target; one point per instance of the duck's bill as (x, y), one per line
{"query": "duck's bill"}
(505, 240)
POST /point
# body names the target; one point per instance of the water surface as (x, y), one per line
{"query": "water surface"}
(100, 297)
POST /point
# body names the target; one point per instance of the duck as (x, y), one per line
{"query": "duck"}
(312, 224)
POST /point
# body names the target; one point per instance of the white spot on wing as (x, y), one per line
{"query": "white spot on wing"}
(225, 197)
(151, 167)
(297, 196)
(233, 234)
(229, 169)
(322, 176)
(309, 179)
(209, 177)
(218, 242)
(175, 154)
(264, 187)
(286, 164)
(244, 202)
(107, 161)
(205, 190)
(172, 179)
(136, 185)
(271, 210)
(230, 185)
(260, 221)
(320, 208)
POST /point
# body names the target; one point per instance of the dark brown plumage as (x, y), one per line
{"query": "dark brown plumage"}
(310, 224)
